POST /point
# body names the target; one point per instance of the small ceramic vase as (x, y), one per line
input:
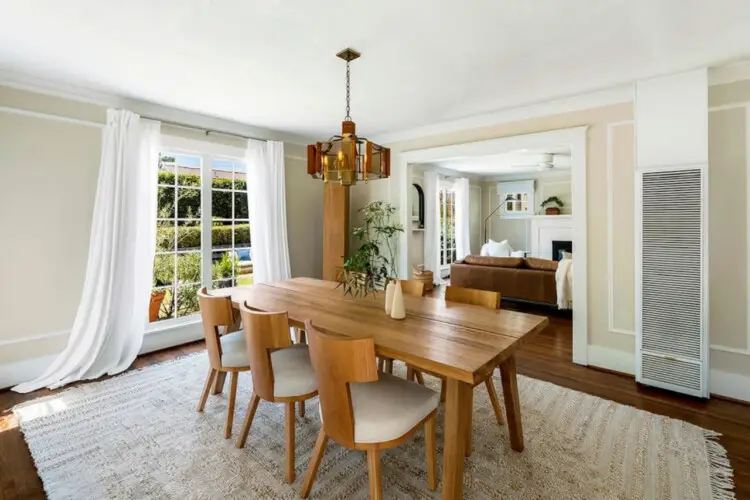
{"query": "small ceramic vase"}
(397, 308)
(389, 289)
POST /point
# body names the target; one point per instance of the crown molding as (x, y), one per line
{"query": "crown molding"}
(729, 73)
(606, 97)
(22, 81)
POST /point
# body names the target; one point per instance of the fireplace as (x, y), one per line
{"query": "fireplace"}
(558, 246)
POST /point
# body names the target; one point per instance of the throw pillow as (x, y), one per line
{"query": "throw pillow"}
(565, 255)
(485, 252)
(518, 253)
(499, 249)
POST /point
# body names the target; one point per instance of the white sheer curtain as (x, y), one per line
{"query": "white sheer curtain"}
(463, 239)
(431, 224)
(266, 189)
(113, 313)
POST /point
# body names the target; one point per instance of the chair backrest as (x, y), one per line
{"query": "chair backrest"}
(216, 312)
(484, 298)
(412, 287)
(264, 332)
(339, 361)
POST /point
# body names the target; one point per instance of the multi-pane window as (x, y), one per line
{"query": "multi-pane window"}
(231, 256)
(177, 264)
(203, 228)
(447, 202)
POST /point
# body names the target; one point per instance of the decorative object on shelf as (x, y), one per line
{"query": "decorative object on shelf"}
(390, 289)
(397, 308)
(552, 205)
(347, 158)
(417, 211)
(370, 267)
(423, 275)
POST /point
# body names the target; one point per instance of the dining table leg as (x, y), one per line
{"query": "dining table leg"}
(512, 402)
(457, 397)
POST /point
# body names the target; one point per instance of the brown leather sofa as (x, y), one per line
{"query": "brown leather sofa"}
(514, 277)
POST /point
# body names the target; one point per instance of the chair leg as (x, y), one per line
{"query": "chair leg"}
(232, 399)
(495, 401)
(209, 382)
(429, 444)
(301, 409)
(315, 459)
(469, 423)
(381, 365)
(442, 391)
(409, 373)
(289, 440)
(420, 378)
(389, 366)
(219, 383)
(300, 336)
(251, 408)
(373, 470)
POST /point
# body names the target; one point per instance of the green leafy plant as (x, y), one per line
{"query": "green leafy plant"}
(374, 263)
(552, 201)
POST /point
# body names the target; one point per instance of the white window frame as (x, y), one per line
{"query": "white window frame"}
(208, 152)
(446, 250)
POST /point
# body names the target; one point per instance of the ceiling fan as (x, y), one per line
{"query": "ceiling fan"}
(546, 161)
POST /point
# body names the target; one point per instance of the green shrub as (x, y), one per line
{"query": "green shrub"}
(190, 236)
(189, 200)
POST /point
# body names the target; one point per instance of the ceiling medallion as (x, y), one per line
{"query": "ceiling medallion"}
(347, 158)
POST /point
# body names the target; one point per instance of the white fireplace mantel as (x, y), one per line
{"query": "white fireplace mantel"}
(548, 228)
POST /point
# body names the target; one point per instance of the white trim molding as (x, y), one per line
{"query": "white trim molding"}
(576, 138)
(29, 83)
(22, 371)
(610, 230)
(590, 100)
(731, 385)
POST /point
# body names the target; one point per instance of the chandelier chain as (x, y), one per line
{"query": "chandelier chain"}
(348, 118)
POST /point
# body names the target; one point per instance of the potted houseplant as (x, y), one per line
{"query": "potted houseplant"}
(552, 205)
(374, 263)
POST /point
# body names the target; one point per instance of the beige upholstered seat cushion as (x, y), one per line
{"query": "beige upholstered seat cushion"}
(389, 408)
(293, 373)
(233, 351)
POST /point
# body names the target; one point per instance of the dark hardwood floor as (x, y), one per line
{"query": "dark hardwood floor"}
(547, 357)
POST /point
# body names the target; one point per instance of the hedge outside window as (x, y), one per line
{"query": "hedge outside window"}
(180, 257)
(230, 231)
(177, 263)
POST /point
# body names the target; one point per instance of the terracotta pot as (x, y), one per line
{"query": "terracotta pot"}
(155, 304)
(552, 211)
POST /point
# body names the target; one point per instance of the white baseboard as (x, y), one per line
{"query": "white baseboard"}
(22, 371)
(12, 374)
(731, 385)
(611, 359)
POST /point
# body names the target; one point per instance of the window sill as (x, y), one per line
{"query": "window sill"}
(172, 324)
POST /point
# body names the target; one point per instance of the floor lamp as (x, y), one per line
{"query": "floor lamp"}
(508, 197)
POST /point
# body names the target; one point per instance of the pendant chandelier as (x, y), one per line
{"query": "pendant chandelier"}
(347, 158)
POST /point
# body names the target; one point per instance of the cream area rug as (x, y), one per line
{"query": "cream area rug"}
(138, 436)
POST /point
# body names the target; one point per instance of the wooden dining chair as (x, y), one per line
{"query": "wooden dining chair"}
(226, 349)
(412, 287)
(282, 373)
(483, 298)
(408, 287)
(362, 409)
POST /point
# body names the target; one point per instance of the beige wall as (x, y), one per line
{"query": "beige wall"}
(728, 226)
(48, 174)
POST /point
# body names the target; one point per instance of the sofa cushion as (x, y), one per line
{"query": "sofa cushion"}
(541, 264)
(513, 262)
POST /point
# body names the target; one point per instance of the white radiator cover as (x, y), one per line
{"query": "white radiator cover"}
(671, 279)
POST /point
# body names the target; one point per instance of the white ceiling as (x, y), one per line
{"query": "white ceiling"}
(514, 162)
(271, 63)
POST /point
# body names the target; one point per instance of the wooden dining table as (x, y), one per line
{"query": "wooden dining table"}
(461, 343)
